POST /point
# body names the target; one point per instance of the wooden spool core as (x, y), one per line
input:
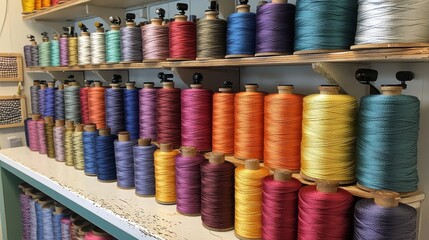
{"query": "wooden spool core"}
(326, 186)
(44, 200)
(156, 22)
(329, 90)
(115, 86)
(216, 158)
(165, 147)
(43, 86)
(243, 8)
(48, 205)
(211, 15)
(180, 18)
(196, 86)
(35, 194)
(70, 125)
(279, 1)
(79, 128)
(391, 90)
(97, 84)
(282, 175)
(169, 85)
(387, 198)
(144, 141)
(130, 24)
(79, 223)
(74, 84)
(251, 87)
(49, 120)
(225, 90)
(84, 230)
(61, 87)
(99, 232)
(75, 217)
(51, 84)
(104, 132)
(130, 85)
(59, 208)
(124, 136)
(188, 151)
(45, 39)
(252, 164)
(84, 34)
(59, 123)
(285, 89)
(36, 83)
(99, 30)
(115, 27)
(35, 117)
(148, 85)
(87, 84)
(33, 43)
(90, 127)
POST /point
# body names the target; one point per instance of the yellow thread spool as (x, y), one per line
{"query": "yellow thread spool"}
(49, 133)
(73, 51)
(328, 136)
(68, 143)
(165, 174)
(79, 163)
(248, 199)
(28, 6)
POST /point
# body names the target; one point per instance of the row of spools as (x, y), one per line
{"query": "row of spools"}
(277, 28)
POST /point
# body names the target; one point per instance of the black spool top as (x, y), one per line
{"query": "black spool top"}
(182, 7)
(160, 12)
(403, 77)
(82, 27)
(197, 78)
(214, 7)
(165, 77)
(116, 78)
(243, 2)
(31, 37)
(129, 17)
(45, 36)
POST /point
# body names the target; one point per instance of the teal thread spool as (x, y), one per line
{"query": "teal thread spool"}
(45, 51)
(55, 51)
(113, 41)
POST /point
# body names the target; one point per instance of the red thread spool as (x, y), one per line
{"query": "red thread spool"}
(223, 121)
(84, 109)
(280, 206)
(183, 39)
(168, 115)
(325, 212)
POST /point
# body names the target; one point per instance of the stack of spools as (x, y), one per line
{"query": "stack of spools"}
(155, 39)
(182, 40)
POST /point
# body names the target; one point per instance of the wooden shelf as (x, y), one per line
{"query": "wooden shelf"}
(119, 212)
(363, 56)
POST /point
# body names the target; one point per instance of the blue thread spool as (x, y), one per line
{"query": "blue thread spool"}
(241, 33)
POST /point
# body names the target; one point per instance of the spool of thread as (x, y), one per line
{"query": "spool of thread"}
(280, 205)
(35, 195)
(83, 97)
(49, 133)
(40, 216)
(196, 122)
(98, 46)
(147, 116)
(113, 44)
(76, 226)
(131, 43)
(56, 2)
(71, 103)
(182, 39)
(324, 207)
(105, 155)
(48, 227)
(27, 137)
(28, 6)
(55, 51)
(79, 162)
(65, 228)
(49, 98)
(144, 173)
(38, 4)
(275, 26)
(83, 231)
(35, 55)
(59, 213)
(168, 116)
(68, 143)
(313, 36)
(156, 42)
(223, 121)
(188, 181)
(59, 102)
(328, 144)
(64, 50)
(73, 51)
(34, 93)
(131, 110)
(24, 201)
(248, 199)
(217, 193)
(384, 218)
(40, 124)
(98, 234)
(45, 52)
(387, 141)
(59, 140)
(97, 105)
(46, 4)
(211, 36)
(124, 160)
(165, 174)
(410, 24)
(84, 48)
(27, 56)
(283, 129)
(115, 119)
(89, 149)
(241, 33)
(41, 94)
(33, 133)
(249, 123)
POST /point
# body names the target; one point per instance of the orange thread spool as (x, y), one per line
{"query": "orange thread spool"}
(249, 123)
(37, 4)
(282, 131)
(223, 121)
(46, 3)
(96, 105)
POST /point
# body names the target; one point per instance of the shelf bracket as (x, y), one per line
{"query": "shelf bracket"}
(103, 12)
(106, 76)
(60, 76)
(57, 26)
(342, 74)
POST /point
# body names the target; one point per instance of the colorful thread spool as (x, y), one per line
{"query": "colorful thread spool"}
(165, 174)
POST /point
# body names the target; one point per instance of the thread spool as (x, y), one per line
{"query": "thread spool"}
(196, 120)
(64, 50)
(156, 41)
(24, 201)
(223, 121)
(42, 94)
(83, 97)
(113, 44)
(315, 37)
(384, 218)
(241, 33)
(76, 226)
(147, 113)
(46, 4)
(165, 174)
(282, 129)
(97, 105)
(217, 193)
(28, 6)
(45, 51)
(48, 228)
(49, 133)
(98, 234)
(98, 45)
(393, 165)
(144, 173)
(59, 134)
(34, 93)
(248, 199)
(34, 54)
(89, 151)
(211, 36)
(168, 115)
(73, 51)
(79, 162)
(84, 48)
(68, 143)
(59, 213)
(82, 231)
(327, 146)
(55, 51)
(324, 207)
(182, 39)
(105, 155)
(33, 133)
(188, 181)
(124, 160)
(275, 26)
(249, 123)
(59, 102)
(131, 42)
(71, 103)
(280, 205)
(40, 124)
(115, 119)
(131, 110)
(65, 228)
(409, 28)
(49, 98)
